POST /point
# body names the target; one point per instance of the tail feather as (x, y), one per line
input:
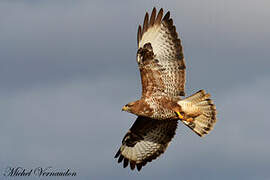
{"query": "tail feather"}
(203, 123)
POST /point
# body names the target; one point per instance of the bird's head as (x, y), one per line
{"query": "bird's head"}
(128, 107)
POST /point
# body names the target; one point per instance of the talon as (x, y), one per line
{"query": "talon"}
(189, 120)
(180, 115)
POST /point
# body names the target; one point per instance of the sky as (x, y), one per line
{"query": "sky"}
(67, 67)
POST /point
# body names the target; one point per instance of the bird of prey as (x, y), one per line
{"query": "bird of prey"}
(162, 68)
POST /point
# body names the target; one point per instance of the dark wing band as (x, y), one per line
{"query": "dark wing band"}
(146, 140)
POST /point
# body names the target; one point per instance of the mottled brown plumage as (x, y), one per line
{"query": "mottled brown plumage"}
(162, 68)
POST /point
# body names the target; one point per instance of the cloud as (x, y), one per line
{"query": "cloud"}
(79, 124)
(49, 42)
(66, 69)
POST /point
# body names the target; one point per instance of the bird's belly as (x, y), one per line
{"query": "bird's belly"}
(164, 114)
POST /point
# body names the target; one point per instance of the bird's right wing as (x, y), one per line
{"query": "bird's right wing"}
(146, 140)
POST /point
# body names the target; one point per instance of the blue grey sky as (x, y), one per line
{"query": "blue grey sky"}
(67, 67)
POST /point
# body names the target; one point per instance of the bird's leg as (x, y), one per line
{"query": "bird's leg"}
(180, 115)
(189, 119)
(179, 112)
(183, 117)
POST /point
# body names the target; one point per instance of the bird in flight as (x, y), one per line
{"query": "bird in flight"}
(162, 68)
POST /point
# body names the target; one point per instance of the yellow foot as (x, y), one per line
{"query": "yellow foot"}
(180, 115)
(189, 119)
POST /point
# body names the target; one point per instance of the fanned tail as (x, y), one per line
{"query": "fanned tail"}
(203, 123)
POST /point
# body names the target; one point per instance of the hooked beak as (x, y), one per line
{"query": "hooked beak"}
(124, 108)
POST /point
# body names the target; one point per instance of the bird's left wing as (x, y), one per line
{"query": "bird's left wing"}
(165, 71)
(146, 140)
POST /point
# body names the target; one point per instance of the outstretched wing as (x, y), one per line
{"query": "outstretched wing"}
(165, 72)
(146, 140)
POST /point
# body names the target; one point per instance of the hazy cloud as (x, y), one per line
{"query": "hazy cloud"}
(66, 69)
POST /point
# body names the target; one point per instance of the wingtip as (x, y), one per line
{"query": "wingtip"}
(117, 154)
(167, 16)
(132, 165)
(153, 17)
(125, 164)
(139, 34)
(120, 159)
(159, 16)
(139, 167)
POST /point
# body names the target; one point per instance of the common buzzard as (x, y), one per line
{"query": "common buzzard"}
(162, 67)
